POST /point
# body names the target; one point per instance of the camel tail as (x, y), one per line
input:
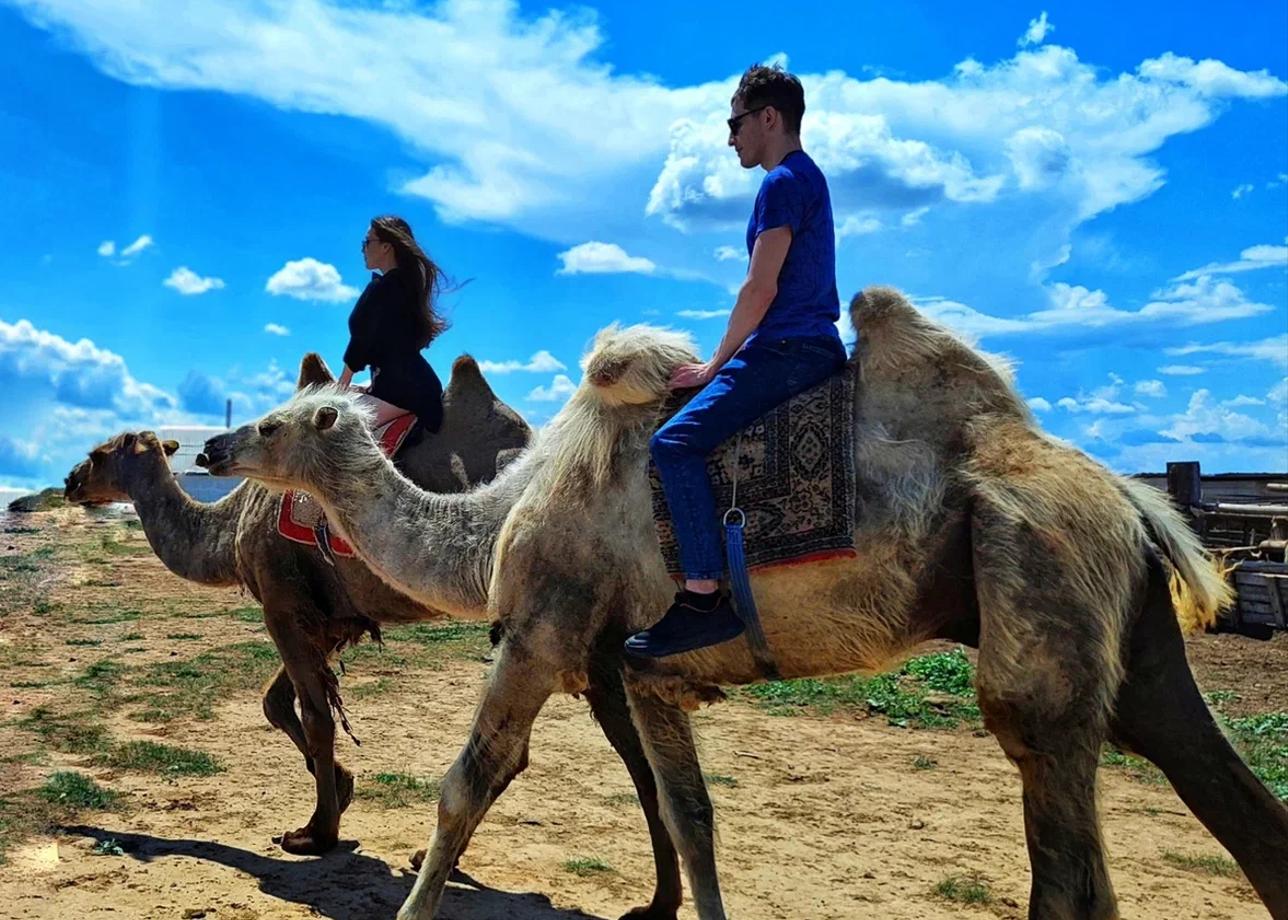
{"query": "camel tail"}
(1198, 584)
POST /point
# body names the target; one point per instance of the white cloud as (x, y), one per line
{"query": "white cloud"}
(1096, 405)
(1154, 388)
(1038, 404)
(560, 388)
(1037, 31)
(1181, 370)
(107, 248)
(1273, 349)
(140, 244)
(602, 258)
(857, 225)
(1204, 417)
(187, 282)
(1242, 400)
(1038, 131)
(309, 279)
(276, 329)
(701, 314)
(730, 254)
(1251, 259)
(541, 362)
(1241, 190)
(1277, 182)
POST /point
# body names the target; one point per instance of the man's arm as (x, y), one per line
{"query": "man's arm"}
(755, 296)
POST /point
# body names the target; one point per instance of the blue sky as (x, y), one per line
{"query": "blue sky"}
(1098, 191)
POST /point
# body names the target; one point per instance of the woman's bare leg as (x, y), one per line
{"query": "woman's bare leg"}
(385, 411)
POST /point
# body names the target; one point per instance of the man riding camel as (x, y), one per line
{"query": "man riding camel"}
(781, 340)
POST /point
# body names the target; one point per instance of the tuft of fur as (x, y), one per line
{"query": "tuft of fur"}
(1200, 590)
(673, 690)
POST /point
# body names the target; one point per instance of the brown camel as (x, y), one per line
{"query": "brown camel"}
(311, 609)
(973, 526)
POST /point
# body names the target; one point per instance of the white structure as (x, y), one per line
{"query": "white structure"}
(192, 479)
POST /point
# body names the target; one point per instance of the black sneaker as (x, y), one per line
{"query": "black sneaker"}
(694, 621)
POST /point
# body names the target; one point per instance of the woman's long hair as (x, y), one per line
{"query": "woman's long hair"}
(420, 269)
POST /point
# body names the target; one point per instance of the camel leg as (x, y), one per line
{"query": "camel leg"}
(686, 807)
(1161, 715)
(1048, 669)
(607, 699)
(497, 751)
(308, 672)
(279, 709)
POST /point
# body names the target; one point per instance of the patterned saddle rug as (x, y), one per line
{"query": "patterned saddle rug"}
(795, 471)
(300, 517)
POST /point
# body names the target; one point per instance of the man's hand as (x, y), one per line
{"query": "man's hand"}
(692, 375)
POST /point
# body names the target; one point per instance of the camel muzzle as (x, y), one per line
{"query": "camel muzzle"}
(217, 456)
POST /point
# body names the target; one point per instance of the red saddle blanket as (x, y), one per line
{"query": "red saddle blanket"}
(300, 517)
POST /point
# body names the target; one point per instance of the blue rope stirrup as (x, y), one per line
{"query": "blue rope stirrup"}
(744, 600)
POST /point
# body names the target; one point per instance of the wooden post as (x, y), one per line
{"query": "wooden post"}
(1184, 484)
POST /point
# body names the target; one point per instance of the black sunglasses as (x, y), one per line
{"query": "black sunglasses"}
(735, 123)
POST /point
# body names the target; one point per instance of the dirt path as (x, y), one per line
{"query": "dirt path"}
(819, 817)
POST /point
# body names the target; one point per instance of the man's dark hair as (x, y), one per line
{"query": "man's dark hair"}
(761, 85)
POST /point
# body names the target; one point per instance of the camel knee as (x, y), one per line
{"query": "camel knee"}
(279, 705)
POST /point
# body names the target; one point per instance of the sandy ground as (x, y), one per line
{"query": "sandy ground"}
(818, 817)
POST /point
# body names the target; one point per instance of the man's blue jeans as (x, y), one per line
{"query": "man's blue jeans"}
(757, 378)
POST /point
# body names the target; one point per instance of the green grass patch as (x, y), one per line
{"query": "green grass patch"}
(1138, 768)
(922, 762)
(77, 733)
(247, 614)
(369, 689)
(396, 790)
(109, 615)
(107, 847)
(969, 889)
(1210, 865)
(177, 689)
(26, 562)
(1263, 742)
(933, 691)
(101, 678)
(622, 798)
(76, 792)
(587, 866)
(132, 637)
(115, 547)
(35, 684)
(183, 637)
(719, 779)
(88, 642)
(151, 757)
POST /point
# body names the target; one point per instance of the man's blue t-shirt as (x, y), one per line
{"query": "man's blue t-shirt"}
(794, 194)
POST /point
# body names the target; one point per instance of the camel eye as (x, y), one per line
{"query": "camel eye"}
(266, 429)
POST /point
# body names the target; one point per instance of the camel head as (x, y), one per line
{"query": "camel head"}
(106, 475)
(302, 444)
(630, 366)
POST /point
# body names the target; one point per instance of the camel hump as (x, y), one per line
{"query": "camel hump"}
(467, 377)
(313, 371)
(879, 304)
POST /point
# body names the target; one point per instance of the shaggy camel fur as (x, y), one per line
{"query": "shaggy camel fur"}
(972, 526)
(311, 609)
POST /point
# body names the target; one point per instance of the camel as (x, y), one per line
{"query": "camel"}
(1072, 582)
(312, 609)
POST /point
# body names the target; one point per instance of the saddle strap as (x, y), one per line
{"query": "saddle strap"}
(744, 600)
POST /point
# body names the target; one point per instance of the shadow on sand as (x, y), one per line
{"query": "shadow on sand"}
(342, 885)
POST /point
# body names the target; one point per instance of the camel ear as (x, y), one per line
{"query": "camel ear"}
(325, 417)
(313, 371)
(143, 443)
(169, 447)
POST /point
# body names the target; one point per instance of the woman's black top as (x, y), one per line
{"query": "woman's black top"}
(382, 334)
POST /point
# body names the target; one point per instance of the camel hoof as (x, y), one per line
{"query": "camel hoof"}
(418, 859)
(652, 912)
(307, 842)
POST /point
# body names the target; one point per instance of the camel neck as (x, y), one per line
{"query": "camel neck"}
(195, 540)
(436, 549)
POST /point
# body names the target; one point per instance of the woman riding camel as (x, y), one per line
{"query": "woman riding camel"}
(392, 322)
